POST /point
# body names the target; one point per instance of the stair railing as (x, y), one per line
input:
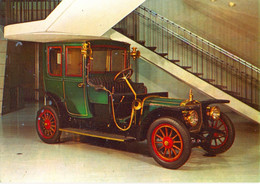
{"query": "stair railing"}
(195, 54)
(200, 39)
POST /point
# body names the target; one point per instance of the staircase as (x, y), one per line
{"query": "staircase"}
(3, 47)
(219, 73)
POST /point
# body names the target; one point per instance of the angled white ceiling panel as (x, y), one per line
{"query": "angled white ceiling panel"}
(74, 19)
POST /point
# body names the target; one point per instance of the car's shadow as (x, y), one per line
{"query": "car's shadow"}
(131, 147)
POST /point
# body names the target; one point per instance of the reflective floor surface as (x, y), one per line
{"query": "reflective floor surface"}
(24, 158)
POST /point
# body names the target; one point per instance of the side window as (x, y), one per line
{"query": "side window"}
(108, 59)
(73, 61)
(100, 59)
(118, 60)
(55, 61)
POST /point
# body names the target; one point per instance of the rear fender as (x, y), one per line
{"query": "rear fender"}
(56, 102)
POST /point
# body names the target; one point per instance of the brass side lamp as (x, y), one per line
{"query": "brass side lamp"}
(135, 53)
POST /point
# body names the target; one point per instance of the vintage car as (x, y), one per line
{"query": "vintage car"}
(89, 91)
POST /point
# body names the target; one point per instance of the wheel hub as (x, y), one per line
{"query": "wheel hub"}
(167, 142)
(47, 124)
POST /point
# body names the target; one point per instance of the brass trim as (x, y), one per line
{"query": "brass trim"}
(86, 50)
(161, 105)
(165, 102)
(152, 96)
(114, 116)
(80, 85)
(135, 53)
(130, 86)
(190, 95)
(137, 104)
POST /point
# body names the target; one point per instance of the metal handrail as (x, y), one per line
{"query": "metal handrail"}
(223, 51)
(185, 40)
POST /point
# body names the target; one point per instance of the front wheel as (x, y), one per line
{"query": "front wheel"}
(169, 142)
(47, 125)
(220, 136)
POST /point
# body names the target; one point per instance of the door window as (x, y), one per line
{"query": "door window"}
(55, 61)
(73, 61)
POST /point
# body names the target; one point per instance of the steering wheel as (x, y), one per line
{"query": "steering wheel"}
(124, 74)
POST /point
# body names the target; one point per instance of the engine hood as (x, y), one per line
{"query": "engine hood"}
(163, 101)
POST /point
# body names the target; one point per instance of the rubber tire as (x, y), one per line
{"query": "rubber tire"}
(229, 141)
(186, 140)
(55, 138)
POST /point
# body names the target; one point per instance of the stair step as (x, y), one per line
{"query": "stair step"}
(209, 80)
(248, 102)
(97, 134)
(120, 30)
(198, 74)
(244, 99)
(186, 67)
(163, 54)
(152, 48)
(130, 36)
(232, 93)
(142, 42)
(221, 86)
(255, 106)
(174, 60)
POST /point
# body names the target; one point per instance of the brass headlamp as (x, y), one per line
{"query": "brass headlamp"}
(192, 118)
(214, 112)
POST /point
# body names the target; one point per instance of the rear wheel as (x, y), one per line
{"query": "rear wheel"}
(47, 125)
(220, 136)
(169, 142)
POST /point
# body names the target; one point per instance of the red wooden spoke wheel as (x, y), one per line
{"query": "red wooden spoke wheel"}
(221, 135)
(47, 124)
(219, 139)
(169, 142)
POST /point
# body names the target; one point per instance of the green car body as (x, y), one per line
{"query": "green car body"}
(88, 91)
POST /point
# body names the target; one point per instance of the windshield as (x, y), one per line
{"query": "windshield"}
(106, 59)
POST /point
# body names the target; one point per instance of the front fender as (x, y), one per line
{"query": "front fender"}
(205, 103)
(148, 117)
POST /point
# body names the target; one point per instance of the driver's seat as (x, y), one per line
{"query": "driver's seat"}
(119, 87)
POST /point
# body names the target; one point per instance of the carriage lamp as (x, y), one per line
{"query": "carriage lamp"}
(192, 118)
(135, 53)
(86, 50)
(214, 112)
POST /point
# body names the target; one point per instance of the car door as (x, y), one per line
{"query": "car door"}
(74, 84)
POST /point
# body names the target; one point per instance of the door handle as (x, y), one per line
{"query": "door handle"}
(80, 85)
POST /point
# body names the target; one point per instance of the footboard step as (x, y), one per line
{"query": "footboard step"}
(97, 134)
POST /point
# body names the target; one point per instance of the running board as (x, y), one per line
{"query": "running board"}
(97, 134)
